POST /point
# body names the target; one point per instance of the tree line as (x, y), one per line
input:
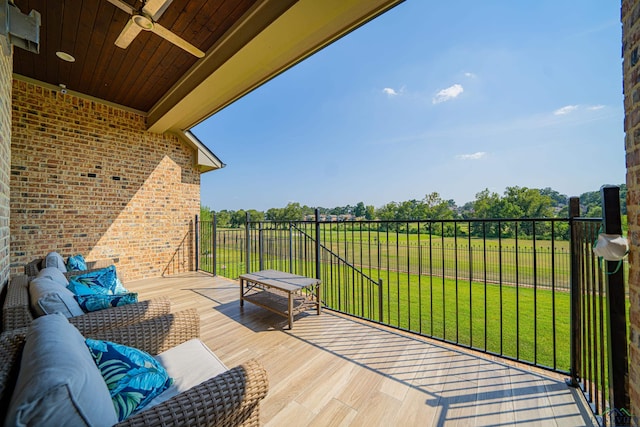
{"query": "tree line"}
(515, 202)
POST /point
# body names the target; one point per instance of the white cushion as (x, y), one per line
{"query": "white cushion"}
(54, 274)
(59, 384)
(54, 259)
(47, 297)
(189, 364)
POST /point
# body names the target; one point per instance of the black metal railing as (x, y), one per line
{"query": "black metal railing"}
(590, 369)
(599, 298)
(515, 288)
(499, 286)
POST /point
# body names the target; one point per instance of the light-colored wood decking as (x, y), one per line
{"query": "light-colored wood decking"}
(335, 371)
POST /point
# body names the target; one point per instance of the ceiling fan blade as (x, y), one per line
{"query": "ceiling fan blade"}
(176, 40)
(128, 33)
(155, 8)
(123, 6)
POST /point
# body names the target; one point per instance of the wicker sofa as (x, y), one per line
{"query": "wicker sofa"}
(229, 398)
(17, 311)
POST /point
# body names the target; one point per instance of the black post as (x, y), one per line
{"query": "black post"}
(380, 303)
(260, 245)
(290, 247)
(247, 236)
(617, 333)
(574, 250)
(214, 244)
(197, 251)
(317, 244)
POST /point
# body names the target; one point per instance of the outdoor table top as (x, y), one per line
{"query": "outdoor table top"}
(280, 280)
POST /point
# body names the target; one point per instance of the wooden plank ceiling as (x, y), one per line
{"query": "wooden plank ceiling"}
(135, 77)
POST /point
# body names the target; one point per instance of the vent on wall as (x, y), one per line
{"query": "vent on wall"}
(21, 30)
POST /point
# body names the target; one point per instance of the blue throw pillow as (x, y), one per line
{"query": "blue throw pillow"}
(119, 288)
(133, 376)
(102, 281)
(76, 263)
(97, 302)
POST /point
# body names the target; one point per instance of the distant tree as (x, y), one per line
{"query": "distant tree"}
(468, 210)
(306, 210)
(255, 216)
(206, 214)
(487, 205)
(273, 214)
(223, 218)
(437, 208)
(370, 212)
(238, 218)
(292, 212)
(557, 200)
(588, 201)
(387, 212)
(360, 210)
(594, 212)
(523, 202)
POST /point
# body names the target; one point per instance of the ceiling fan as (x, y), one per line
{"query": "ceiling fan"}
(145, 19)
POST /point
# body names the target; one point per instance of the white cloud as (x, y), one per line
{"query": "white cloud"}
(475, 156)
(596, 107)
(565, 110)
(470, 75)
(391, 92)
(447, 94)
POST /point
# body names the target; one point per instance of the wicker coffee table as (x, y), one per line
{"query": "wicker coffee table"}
(283, 293)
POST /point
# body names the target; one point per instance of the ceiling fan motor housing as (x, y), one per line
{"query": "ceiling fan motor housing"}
(143, 22)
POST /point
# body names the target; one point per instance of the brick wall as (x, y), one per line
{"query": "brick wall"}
(631, 73)
(87, 178)
(6, 69)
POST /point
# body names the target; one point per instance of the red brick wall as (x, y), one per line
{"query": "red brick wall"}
(87, 178)
(6, 69)
(631, 71)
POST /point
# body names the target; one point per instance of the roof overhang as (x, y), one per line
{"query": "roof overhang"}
(205, 160)
(242, 61)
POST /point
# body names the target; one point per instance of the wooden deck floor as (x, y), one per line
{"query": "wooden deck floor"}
(330, 370)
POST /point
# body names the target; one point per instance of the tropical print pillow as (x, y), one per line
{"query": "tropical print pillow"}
(101, 281)
(133, 376)
(76, 263)
(119, 289)
(97, 302)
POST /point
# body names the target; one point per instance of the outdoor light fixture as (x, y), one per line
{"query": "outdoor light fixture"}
(65, 56)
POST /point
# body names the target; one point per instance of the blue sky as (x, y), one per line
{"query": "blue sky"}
(447, 97)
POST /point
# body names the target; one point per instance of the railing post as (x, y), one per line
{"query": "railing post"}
(317, 244)
(214, 244)
(290, 247)
(574, 212)
(260, 245)
(380, 304)
(617, 333)
(247, 236)
(197, 251)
